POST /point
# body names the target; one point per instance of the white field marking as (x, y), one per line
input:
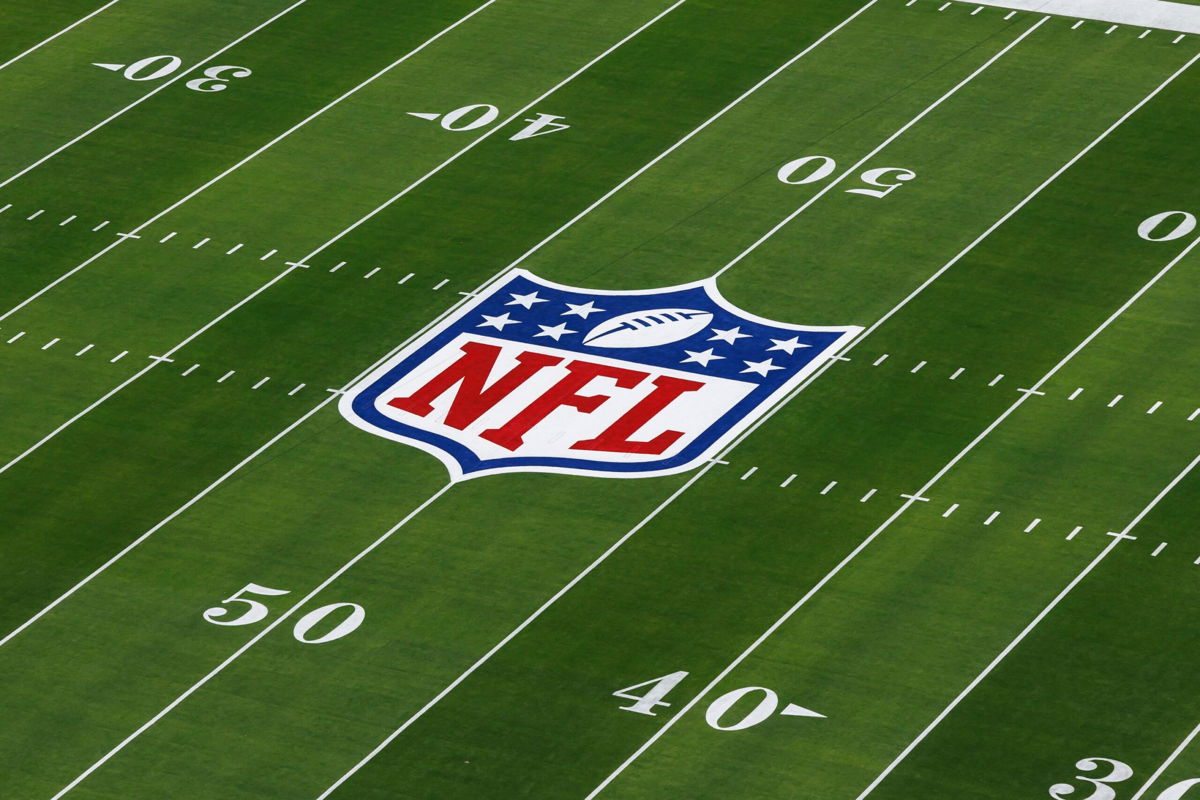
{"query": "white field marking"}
(1157, 405)
(296, 264)
(337, 266)
(749, 472)
(18, 336)
(168, 237)
(201, 243)
(441, 283)
(1159, 549)
(234, 249)
(257, 152)
(275, 623)
(991, 518)
(260, 383)
(787, 615)
(829, 487)
(1178, 751)
(1117, 539)
(1193, 415)
(226, 376)
(1074, 532)
(977, 10)
(953, 507)
(880, 360)
(1010, 15)
(996, 379)
(6, 207)
(1178, 39)
(51, 38)
(372, 272)
(854, 169)
(113, 360)
(187, 73)
(916, 498)
(1076, 393)
(868, 496)
(1144, 34)
(68, 220)
(101, 225)
(268, 254)
(298, 388)
(787, 481)
(1032, 391)
(514, 632)
(910, 2)
(944, 7)
(405, 278)
(36, 214)
(1077, 24)
(84, 350)
(190, 370)
(1029, 528)
(51, 343)
(1115, 400)
(957, 372)
(1110, 30)
(917, 368)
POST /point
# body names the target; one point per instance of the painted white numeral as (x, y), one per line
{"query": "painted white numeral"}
(765, 708)
(878, 178)
(489, 115)
(646, 703)
(255, 611)
(1118, 771)
(540, 125)
(216, 79)
(143, 70)
(1184, 223)
(787, 173)
(1177, 791)
(313, 618)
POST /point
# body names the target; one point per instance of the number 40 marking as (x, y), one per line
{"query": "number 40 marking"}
(658, 688)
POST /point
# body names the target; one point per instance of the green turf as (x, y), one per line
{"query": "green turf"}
(881, 650)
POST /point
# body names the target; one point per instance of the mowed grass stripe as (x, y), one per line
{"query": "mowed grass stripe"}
(43, 24)
(193, 724)
(702, 519)
(406, 451)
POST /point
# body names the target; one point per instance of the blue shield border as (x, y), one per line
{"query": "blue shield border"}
(823, 343)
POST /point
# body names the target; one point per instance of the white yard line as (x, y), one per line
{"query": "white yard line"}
(49, 39)
(443, 315)
(853, 170)
(1163, 767)
(253, 641)
(865, 543)
(226, 173)
(1020, 637)
(190, 71)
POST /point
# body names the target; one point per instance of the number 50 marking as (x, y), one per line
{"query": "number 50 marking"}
(255, 611)
(810, 169)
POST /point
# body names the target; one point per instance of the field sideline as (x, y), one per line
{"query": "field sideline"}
(956, 560)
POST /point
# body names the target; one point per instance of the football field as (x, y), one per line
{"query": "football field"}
(948, 551)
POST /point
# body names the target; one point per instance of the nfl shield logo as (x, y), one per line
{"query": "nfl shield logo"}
(540, 377)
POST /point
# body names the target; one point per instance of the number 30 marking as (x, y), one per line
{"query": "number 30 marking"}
(1118, 771)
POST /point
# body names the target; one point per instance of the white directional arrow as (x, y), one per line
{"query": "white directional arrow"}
(112, 67)
(793, 710)
(422, 115)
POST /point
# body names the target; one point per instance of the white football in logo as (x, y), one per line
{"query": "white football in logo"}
(650, 328)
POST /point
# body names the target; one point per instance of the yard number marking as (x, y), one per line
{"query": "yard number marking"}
(478, 115)
(152, 68)
(1185, 223)
(718, 710)
(1118, 771)
(882, 180)
(255, 611)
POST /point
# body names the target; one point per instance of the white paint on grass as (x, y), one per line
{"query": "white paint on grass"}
(54, 36)
(1140, 13)
(991, 518)
(828, 487)
(787, 481)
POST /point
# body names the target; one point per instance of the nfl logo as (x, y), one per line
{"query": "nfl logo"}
(539, 377)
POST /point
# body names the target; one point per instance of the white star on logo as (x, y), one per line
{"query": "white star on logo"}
(525, 300)
(556, 332)
(789, 346)
(582, 310)
(728, 336)
(497, 322)
(760, 367)
(702, 358)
